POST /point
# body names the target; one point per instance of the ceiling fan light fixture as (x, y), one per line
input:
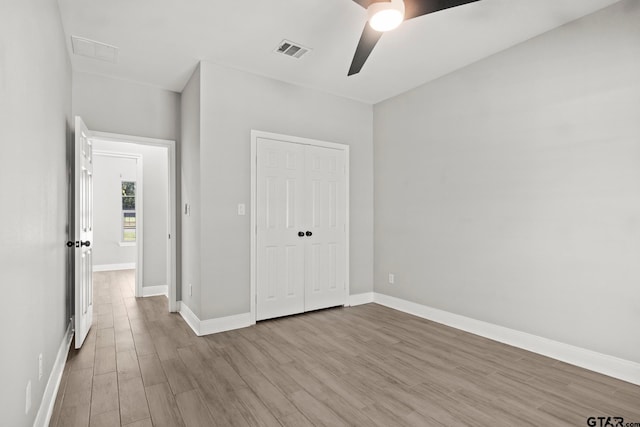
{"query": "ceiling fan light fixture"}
(385, 16)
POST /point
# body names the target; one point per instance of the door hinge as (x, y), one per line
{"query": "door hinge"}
(169, 235)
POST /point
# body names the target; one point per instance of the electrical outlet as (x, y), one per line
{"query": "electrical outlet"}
(40, 367)
(392, 278)
(190, 289)
(27, 405)
(241, 209)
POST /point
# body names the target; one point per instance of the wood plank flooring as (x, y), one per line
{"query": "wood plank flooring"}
(365, 366)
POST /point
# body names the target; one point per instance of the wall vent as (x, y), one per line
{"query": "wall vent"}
(291, 49)
(94, 49)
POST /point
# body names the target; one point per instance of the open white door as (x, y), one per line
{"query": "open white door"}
(83, 232)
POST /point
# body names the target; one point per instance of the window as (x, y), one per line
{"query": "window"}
(128, 211)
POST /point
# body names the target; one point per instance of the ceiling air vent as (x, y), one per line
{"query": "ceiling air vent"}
(292, 49)
(94, 49)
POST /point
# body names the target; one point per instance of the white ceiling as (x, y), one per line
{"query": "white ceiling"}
(161, 41)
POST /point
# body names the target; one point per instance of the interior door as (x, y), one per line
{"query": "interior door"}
(83, 232)
(325, 190)
(279, 214)
(301, 206)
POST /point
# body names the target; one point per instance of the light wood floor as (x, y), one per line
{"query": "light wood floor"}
(366, 365)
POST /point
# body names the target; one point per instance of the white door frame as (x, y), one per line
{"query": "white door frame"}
(139, 211)
(171, 255)
(255, 134)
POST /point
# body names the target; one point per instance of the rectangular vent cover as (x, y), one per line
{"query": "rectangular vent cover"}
(292, 49)
(94, 49)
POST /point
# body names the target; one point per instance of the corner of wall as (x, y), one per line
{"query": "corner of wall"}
(190, 226)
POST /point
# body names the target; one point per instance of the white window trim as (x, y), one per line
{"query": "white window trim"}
(122, 212)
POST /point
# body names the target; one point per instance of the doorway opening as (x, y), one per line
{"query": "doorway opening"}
(134, 210)
(118, 189)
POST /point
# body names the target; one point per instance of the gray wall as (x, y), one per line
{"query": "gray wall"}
(35, 123)
(118, 106)
(155, 176)
(509, 191)
(190, 183)
(232, 104)
(108, 174)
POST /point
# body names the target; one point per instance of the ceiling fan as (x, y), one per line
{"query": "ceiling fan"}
(385, 15)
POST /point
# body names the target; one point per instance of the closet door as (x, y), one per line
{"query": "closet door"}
(301, 206)
(325, 218)
(279, 217)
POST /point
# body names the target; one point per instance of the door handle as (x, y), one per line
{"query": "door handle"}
(309, 233)
(300, 233)
(78, 244)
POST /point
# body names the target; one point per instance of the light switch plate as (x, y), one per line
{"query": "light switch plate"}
(241, 209)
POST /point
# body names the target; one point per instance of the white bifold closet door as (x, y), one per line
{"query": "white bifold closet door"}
(301, 239)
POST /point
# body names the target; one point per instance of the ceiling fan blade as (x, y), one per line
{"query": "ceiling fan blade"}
(366, 44)
(367, 3)
(415, 8)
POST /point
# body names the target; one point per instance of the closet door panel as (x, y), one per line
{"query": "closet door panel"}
(279, 219)
(325, 210)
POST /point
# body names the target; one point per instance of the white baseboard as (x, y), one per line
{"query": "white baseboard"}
(51, 391)
(151, 291)
(602, 363)
(189, 317)
(359, 299)
(228, 323)
(113, 267)
(212, 326)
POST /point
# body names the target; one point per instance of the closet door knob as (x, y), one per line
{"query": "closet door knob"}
(309, 233)
(300, 233)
